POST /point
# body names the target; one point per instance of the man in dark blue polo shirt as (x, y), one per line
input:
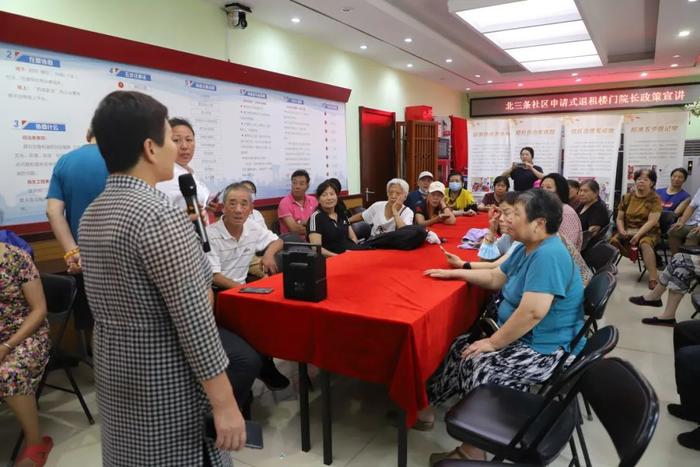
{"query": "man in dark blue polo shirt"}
(418, 196)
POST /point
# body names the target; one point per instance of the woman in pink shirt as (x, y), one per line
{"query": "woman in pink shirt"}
(570, 227)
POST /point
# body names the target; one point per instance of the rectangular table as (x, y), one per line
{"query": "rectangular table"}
(383, 321)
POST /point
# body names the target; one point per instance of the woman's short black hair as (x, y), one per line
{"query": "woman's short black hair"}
(501, 179)
(528, 149)
(682, 171)
(650, 173)
(574, 183)
(123, 121)
(561, 184)
(510, 198)
(336, 182)
(592, 185)
(542, 204)
(301, 173)
(179, 121)
(324, 185)
(251, 184)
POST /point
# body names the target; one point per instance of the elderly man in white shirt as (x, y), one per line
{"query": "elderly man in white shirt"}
(234, 240)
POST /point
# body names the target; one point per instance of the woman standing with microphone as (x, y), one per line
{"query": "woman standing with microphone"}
(159, 362)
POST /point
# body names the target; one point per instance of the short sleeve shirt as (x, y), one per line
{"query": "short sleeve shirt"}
(171, 188)
(548, 269)
(232, 257)
(78, 178)
(380, 224)
(414, 198)
(334, 233)
(671, 202)
(637, 210)
(300, 212)
(695, 203)
(524, 179)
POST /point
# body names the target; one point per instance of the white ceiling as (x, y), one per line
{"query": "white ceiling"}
(632, 36)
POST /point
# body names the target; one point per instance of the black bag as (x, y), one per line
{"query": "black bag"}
(408, 237)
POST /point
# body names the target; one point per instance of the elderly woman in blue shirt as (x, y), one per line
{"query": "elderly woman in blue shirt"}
(539, 316)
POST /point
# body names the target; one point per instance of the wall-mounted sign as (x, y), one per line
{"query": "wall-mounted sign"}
(630, 98)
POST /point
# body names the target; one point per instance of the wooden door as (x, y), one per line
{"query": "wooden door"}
(377, 157)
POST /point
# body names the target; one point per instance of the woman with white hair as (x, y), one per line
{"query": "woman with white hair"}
(390, 215)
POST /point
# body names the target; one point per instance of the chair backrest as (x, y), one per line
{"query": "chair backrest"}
(357, 210)
(666, 221)
(600, 255)
(625, 403)
(611, 268)
(597, 294)
(587, 236)
(362, 229)
(60, 291)
(564, 387)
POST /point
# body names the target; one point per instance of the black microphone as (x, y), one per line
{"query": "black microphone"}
(188, 188)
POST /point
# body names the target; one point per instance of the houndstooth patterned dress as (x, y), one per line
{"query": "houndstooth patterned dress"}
(146, 279)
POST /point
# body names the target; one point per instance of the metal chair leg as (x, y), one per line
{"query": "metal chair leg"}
(79, 395)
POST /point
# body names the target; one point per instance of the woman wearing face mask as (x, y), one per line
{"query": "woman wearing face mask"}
(525, 173)
(638, 223)
(458, 198)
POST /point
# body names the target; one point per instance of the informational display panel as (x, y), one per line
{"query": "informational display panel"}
(242, 132)
(541, 134)
(654, 140)
(489, 153)
(591, 144)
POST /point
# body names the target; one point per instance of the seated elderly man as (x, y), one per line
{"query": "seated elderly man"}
(233, 244)
(388, 216)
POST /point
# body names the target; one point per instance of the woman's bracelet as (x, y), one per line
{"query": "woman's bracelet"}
(8, 346)
(467, 265)
(72, 252)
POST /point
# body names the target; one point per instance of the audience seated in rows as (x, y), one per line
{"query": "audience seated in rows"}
(539, 316)
(592, 211)
(434, 209)
(501, 185)
(638, 222)
(295, 208)
(387, 216)
(570, 225)
(328, 225)
(674, 198)
(459, 199)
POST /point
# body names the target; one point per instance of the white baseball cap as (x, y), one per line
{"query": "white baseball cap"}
(425, 173)
(436, 186)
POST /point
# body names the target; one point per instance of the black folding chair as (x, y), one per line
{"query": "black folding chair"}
(625, 403)
(587, 236)
(362, 229)
(523, 426)
(601, 255)
(60, 292)
(665, 222)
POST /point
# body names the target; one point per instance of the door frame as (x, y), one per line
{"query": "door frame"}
(384, 113)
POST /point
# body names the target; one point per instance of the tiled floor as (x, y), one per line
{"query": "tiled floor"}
(362, 434)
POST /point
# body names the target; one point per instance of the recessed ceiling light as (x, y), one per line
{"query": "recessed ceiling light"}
(674, 65)
(692, 1)
(643, 74)
(540, 35)
(469, 89)
(574, 74)
(510, 15)
(363, 47)
(489, 82)
(578, 80)
(409, 65)
(448, 60)
(520, 85)
(676, 56)
(684, 33)
(296, 20)
(552, 51)
(408, 40)
(478, 76)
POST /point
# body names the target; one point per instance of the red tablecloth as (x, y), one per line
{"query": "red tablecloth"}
(383, 321)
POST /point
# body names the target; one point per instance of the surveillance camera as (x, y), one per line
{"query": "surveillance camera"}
(236, 15)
